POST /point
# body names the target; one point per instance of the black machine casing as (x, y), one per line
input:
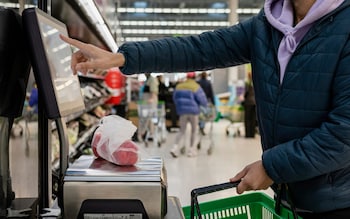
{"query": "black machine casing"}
(14, 64)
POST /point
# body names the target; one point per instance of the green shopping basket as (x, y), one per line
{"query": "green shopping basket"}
(255, 205)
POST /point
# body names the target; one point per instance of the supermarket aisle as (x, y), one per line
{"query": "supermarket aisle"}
(229, 155)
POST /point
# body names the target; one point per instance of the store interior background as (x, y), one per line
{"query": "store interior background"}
(109, 23)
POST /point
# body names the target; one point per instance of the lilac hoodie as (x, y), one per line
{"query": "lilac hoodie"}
(280, 15)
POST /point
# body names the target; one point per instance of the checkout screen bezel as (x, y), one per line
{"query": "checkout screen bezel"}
(51, 57)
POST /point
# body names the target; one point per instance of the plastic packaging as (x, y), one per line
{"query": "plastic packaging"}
(112, 141)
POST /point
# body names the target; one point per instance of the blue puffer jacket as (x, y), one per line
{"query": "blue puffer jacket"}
(305, 121)
(188, 97)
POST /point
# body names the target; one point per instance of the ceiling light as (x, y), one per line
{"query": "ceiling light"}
(162, 31)
(174, 23)
(174, 10)
(188, 10)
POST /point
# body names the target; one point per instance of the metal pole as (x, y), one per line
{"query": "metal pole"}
(233, 19)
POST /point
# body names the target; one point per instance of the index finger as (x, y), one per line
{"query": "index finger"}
(73, 42)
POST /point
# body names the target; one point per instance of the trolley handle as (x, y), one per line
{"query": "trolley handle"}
(206, 190)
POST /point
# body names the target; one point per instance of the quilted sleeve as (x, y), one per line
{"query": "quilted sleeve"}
(213, 49)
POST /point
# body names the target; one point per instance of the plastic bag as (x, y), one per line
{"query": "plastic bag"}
(112, 141)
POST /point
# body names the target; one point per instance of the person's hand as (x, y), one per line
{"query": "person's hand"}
(253, 177)
(90, 57)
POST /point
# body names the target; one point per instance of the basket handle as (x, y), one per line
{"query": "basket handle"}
(206, 190)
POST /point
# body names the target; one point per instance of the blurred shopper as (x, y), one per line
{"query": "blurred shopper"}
(188, 97)
(34, 99)
(208, 90)
(162, 88)
(300, 56)
(150, 89)
(149, 97)
(249, 108)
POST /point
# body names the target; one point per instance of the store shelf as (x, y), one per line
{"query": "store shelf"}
(89, 107)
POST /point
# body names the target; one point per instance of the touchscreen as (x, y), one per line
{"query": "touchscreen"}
(67, 86)
(51, 58)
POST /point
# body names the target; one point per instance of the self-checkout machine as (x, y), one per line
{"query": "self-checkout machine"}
(14, 74)
(89, 187)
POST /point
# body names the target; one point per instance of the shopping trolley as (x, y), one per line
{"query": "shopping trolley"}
(235, 115)
(152, 122)
(207, 115)
(232, 111)
(253, 205)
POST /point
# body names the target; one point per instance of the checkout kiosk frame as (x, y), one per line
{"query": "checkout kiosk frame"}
(14, 70)
(89, 187)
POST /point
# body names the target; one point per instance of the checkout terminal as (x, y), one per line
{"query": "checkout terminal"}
(89, 187)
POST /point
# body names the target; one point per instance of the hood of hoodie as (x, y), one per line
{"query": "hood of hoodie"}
(279, 13)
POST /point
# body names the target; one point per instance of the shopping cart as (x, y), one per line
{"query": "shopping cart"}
(233, 111)
(152, 122)
(254, 205)
(235, 115)
(207, 115)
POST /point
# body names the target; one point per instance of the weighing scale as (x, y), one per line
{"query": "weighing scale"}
(143, 187)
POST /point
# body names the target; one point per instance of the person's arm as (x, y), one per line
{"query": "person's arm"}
(213, 49)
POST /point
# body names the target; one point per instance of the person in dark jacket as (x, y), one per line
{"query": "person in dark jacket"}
(300, 56)
(188, 97)
(209, 93)
(249, 108)
(162, 89)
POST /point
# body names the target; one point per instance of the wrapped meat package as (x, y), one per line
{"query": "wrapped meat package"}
(112, 141)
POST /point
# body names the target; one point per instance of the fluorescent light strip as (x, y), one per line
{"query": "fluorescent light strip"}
(133, 39)
(161, 31)
(248, 10)
(15, 5)
(175, 23)
(187, 10)
(174, 10)
(103, 29)
(91, 10)
(95, 17)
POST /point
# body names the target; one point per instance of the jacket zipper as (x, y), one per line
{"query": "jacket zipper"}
(275, 42)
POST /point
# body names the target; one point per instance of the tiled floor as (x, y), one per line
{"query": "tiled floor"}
(229, 155)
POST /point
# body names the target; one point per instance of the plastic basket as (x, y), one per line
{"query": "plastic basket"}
(254, 205)
(236, 114)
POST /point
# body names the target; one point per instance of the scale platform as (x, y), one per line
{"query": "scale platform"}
(140, 190)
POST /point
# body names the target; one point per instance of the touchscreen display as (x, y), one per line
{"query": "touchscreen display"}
(67, 86)
(51, 58)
